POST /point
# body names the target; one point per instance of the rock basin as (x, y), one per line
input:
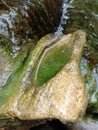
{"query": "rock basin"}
(62, 97)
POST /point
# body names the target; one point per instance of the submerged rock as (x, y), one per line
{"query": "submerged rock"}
(62, 95)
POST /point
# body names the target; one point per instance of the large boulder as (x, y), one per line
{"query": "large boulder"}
(48, 85)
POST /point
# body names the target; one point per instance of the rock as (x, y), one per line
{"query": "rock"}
(84, 125)
(63, 96)
(5, 70)
(91, 78)
(22, 21)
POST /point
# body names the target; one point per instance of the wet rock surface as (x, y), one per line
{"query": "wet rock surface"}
(62, 97)
(24, 20)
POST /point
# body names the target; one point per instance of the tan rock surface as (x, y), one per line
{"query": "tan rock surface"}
(63, 97)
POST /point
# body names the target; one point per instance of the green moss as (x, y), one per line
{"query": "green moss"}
(51, 63)
(17, 65)
(10, 87)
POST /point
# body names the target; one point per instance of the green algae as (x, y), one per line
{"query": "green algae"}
(16, 64)
(10, 68)
(51, 61)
